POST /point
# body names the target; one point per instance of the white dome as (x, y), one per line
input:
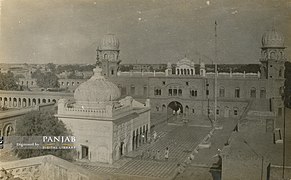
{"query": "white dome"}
(272, 39)
(109, 42)
(96, 89)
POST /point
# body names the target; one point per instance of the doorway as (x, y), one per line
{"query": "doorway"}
(84, 152)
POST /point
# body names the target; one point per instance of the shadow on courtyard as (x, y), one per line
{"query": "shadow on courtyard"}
(215, 169)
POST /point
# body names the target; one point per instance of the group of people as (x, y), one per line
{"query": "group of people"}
(155, 155)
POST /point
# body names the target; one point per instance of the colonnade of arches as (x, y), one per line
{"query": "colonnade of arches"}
(140, 136)
(175, 108)
(185, 71)
(18, 102)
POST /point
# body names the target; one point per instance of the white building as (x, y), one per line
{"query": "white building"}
(106, 127)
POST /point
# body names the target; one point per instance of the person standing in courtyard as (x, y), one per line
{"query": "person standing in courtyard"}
(153, 155)
(155, 136)
(167, 153)
(142, 155)
(158, 155)
(148, 154)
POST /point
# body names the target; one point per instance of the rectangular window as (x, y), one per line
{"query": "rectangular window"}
(187, 83)
(132, 90)
(164, 82)
(207, 92)
(237, 93)
(145, 90)
(235, 112)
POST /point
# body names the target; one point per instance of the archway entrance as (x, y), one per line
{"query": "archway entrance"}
(174, 111)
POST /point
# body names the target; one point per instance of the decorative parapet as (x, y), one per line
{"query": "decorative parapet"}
(234, 75)
(69, 108)
(141, 74)
(46, 168)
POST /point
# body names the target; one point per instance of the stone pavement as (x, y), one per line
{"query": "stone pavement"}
(199, 121)
(205, 158)
(181, 141)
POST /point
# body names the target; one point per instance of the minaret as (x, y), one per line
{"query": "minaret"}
(108, 55)
(273, 68)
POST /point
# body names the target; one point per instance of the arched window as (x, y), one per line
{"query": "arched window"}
(132, 90)
(187, 110)
(170, 92)
(8, 130)
(178, 71)
(175, 92)
(263, 93)
(221, 92)
(180, 92)
(188, 71)
(145, 90)
(112, 72)
(185, 71)
(253, 92)
(157, 108)
(237, 92)
(194, 93)
(193, 111)
(235, 111)
(273, 55)
(163, 107)
(192, 73)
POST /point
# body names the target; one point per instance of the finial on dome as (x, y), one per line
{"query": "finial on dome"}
(273, 25)
(97, 72)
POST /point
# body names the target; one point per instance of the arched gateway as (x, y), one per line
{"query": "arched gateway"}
(174, 110)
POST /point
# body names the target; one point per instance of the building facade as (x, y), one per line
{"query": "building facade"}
(192, 88)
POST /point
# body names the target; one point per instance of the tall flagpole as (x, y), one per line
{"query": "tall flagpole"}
(215, 79)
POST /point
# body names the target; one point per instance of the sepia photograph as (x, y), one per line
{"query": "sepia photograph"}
(145, 89)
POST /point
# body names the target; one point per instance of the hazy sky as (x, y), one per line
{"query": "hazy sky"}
(150, 31)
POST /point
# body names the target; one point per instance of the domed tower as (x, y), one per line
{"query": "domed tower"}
(108, 55)
(272, 55)
(273, 68)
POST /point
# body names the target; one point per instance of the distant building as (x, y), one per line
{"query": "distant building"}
(191, 87)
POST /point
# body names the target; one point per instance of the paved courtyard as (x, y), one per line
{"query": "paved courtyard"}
(181, 141)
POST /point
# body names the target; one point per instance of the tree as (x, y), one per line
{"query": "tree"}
(8, 82)
(51, 67)
(46, 80)
(39, 123)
